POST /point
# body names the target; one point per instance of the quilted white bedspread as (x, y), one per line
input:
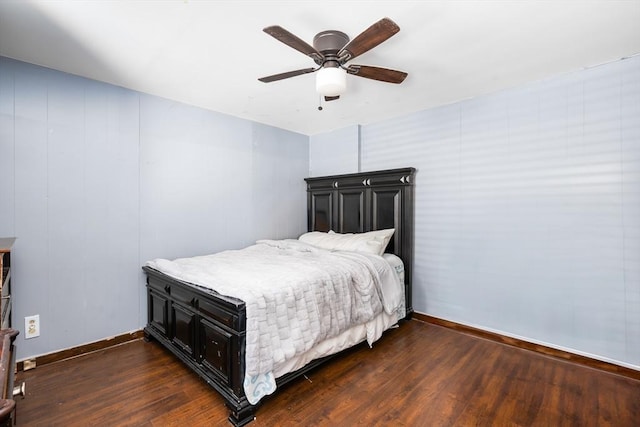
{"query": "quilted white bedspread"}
(296, 295)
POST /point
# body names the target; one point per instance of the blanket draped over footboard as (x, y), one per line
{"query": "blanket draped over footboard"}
(296, 295)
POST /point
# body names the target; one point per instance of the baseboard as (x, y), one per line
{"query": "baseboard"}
(83, 349)
(526, 345)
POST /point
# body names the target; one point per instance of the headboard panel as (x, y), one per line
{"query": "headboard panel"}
(360, 202)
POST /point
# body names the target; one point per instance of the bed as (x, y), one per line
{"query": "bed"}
(208, 330)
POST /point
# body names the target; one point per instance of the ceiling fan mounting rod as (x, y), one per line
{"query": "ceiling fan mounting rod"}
(331, 61)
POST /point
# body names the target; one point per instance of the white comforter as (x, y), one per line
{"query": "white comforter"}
(296, 295)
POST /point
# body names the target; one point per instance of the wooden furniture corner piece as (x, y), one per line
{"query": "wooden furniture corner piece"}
(7, 364)
(6, 244)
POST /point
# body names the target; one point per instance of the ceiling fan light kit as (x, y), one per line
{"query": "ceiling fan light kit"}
(331, 81)
(332, 50)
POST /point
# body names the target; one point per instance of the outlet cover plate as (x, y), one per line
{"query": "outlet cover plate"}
(32, 326)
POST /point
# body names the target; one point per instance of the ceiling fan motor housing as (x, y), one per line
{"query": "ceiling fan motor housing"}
(330, 42)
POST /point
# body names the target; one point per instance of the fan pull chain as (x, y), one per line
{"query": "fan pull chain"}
(319, 102)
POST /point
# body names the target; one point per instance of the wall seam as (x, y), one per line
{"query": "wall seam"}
(359, 136)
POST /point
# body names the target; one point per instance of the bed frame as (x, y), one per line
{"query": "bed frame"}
(206, 330)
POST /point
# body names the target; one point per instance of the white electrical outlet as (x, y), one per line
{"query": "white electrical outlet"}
(32, 326)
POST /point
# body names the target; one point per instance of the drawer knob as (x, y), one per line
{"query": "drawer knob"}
(20, 390)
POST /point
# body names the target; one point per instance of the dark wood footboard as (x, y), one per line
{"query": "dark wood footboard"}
(206, 331)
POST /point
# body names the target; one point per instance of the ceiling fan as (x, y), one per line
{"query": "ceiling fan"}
(332, 50)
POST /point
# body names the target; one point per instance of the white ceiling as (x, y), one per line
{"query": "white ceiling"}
(211, 53)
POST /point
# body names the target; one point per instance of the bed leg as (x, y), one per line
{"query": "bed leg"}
(241, 413)
(409, 314)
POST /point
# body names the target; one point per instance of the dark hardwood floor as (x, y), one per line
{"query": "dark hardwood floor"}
(418, 375)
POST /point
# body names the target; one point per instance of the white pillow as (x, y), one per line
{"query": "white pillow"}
(372, 242)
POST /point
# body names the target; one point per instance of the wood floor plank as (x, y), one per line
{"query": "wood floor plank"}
(417, 375)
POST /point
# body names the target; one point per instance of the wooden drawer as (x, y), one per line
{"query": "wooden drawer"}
(182, 295)
(158, 285)
(158, 310)
(215, 349)
(218, 314)
(183, 322)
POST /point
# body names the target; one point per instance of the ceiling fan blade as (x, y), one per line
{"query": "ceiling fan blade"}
(331, 98)
(368, 39)
(377, 73)
(293, 41)
(281, 76)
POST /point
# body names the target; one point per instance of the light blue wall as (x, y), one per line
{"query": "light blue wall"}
(528, 209)
(335, 153)
(96, 179)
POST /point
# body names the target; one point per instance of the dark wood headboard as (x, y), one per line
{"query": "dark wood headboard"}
(367, 201)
